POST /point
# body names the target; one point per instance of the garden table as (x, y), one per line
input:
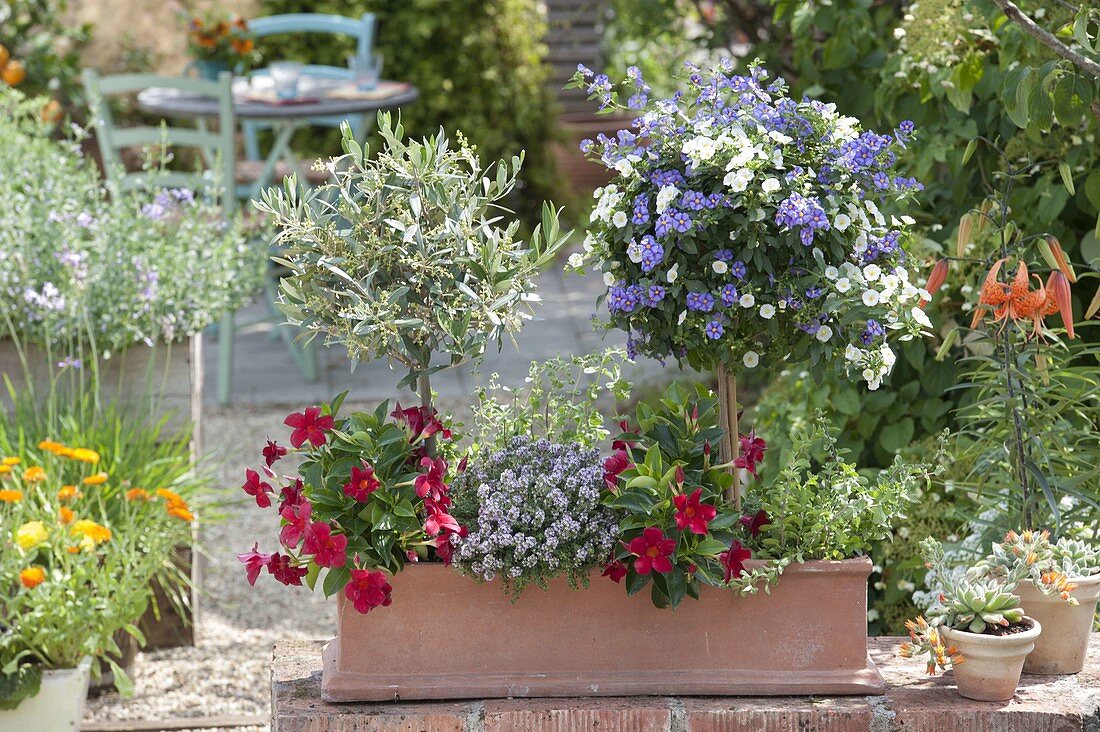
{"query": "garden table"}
(286, 118)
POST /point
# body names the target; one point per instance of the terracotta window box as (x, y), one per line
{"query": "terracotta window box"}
(447, 637)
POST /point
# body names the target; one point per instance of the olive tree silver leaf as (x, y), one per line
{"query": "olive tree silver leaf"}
(410, 255)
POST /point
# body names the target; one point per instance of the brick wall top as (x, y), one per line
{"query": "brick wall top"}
(914, 702)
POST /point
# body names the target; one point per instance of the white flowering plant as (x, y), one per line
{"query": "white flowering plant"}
(745, 225)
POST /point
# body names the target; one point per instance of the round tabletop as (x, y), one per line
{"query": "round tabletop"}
(175, 103)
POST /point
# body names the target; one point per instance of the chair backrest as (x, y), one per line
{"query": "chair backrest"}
(218, 148)
(361, 28)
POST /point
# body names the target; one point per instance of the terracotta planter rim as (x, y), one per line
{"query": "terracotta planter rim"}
(995, 640)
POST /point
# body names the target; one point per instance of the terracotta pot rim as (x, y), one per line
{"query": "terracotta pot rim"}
(852, 565)
(1002, 640)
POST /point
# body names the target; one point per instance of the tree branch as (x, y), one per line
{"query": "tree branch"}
(1047, 38)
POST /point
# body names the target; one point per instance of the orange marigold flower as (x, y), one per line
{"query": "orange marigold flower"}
(180, 511)
(65, 515)
(50, 446)
(32, 577)
(90, 530)
(85, 455)
(170, 496)
(97, 479)
(9, 461)
(72, 549)
(11, 496)
(135, 494)
(68, 493)
(34, 474)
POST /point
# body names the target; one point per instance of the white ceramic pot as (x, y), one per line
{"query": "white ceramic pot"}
(991, 664)
(1066, 628)
(58, 706)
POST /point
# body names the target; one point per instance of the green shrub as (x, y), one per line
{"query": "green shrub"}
(37, 39)
(477, 63)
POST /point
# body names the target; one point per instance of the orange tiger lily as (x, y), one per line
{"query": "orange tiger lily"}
(1016, 300)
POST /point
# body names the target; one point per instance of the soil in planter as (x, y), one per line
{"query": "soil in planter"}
(1021, 627)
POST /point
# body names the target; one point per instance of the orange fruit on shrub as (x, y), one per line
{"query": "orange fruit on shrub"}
(13, 73)
(5, 54)
(51, 112)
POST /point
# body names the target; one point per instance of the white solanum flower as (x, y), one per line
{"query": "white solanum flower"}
(608, 279)
(770, 185)
(888, 357)
(750, 359)
(619, 219)
(841, 222)
(824, 333)
(719, 266)
(869, 375)
(831, 272)
(767, 311)
(870, 298)
(673, 273)
(843, 284)
(683, 316)
(853, 354)
(871, 272)
(747, 300)
(625, 168)
(576, 260)
(665, 196)
(921, 317)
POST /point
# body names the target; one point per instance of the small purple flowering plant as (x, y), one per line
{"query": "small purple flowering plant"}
(533, 511)
(743, 224)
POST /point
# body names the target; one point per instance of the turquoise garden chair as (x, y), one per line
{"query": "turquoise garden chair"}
(361, 29)
(218, 153)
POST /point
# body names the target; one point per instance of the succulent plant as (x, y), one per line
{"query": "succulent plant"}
(1051, 566)
(975, 601)
(925, 638)
(1075, 558)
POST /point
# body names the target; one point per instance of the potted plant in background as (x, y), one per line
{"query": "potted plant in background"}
(79, 548)
(219, 41)
(977, 628)
(1059, 587)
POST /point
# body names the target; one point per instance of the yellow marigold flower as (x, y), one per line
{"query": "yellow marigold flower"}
(50, 446)
(181, 511)
(34, 474)
(90, 530)
(5, 469)
(85, 455)
(64, 452)
(170, 496)
(68, 493)
(65, 515)
(31, 534)
(135, 494)
(97, 479)
(9, 461)
(32, 577)
(11, 496)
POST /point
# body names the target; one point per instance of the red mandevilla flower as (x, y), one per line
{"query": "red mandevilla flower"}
(362, 483)
(257, 488)
(612, 466)
(367, 590)
(624, 427)
(444, 548)
(615, 571)
(283, 571)
(755, 522)
(653, 550)
(309, 426)
(254, 561)
(328, 549)
(422, 422)
(297, 523)
(292, 494)
(733, 561)
(430, 484)
(752, 452)
(272, 452)
(691, 514)
(439, 520)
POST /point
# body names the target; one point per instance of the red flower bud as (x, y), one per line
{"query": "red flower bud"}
(936, 278)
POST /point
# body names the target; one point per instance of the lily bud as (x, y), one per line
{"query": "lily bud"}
(1058, 285)
(936, 278)
(966, 225)
(1052, 252)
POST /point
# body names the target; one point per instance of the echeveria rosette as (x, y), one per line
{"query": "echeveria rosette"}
(743, 225)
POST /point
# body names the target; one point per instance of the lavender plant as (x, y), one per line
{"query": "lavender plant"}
(146, 266)
(533, 512)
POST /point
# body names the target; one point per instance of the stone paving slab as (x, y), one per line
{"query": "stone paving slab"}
(914, 702)
(265, 374)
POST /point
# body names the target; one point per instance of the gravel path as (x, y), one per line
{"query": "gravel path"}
(227, 672)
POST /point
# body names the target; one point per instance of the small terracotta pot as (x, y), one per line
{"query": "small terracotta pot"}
(448, 637)
(1066, 628)
(992, 664)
